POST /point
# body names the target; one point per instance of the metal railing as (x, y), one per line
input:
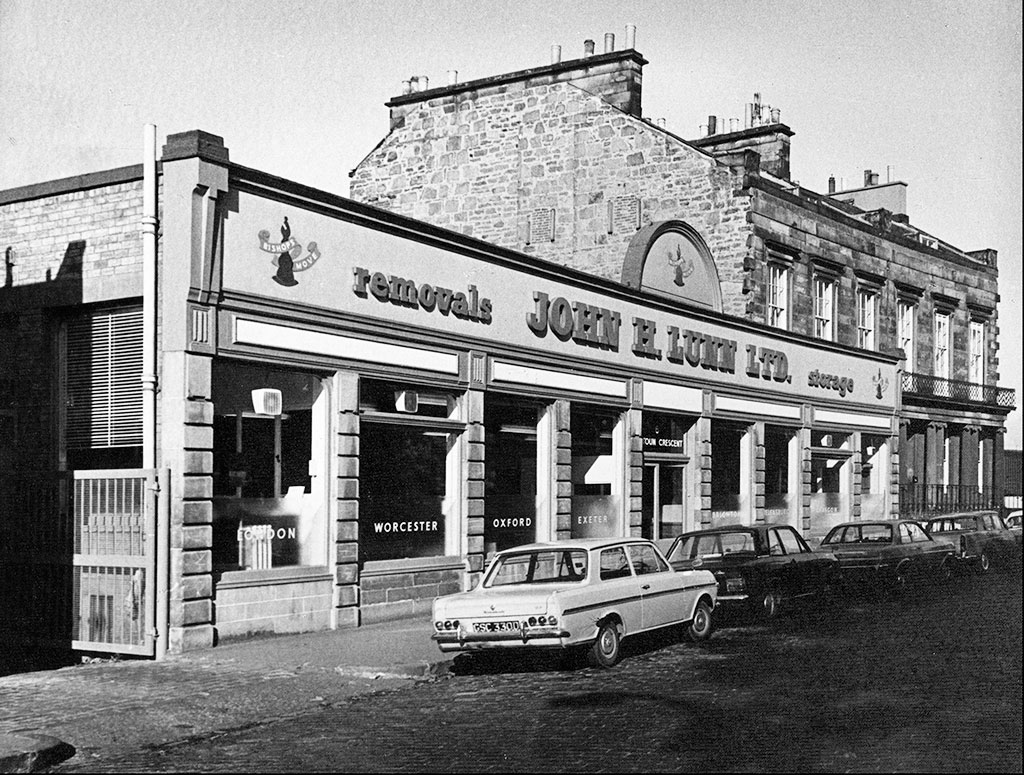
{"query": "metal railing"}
(928, 499)
(956, 390)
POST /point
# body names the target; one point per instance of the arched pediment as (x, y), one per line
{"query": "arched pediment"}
(671, 258)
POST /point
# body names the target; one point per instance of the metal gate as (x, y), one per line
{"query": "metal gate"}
(114, 563)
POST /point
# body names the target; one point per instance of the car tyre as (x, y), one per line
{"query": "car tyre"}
(607, 649)
(768, 604)
(702, 624)
(984, 563)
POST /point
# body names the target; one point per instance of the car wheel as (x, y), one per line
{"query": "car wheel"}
(902, 578)
(701, 626)
(946, 571)
(768, 607)
(984, 563)
(605, 651)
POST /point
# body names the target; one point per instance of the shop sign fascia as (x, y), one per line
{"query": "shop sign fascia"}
(415, 284)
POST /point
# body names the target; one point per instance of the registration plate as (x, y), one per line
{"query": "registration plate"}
(734, 585)
(495, 626)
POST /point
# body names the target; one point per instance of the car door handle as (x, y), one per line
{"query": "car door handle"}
(646, 586)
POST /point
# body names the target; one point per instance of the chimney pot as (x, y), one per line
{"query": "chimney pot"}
(712, 125)
(831, 184)
(453, 77)
(734, 125)
(588, 48)
(407, 86)
(424, 83)
(703, 130)
(776, 115)
(661, 123)
(890, 173)
(556, 54)
(867, 177)
(630, 36)
(748, 112)
(609, 42)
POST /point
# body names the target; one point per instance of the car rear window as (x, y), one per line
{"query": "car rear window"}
(714, 545)
(857, 534)
(538, 567)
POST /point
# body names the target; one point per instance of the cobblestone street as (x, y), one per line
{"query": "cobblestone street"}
(927, 682)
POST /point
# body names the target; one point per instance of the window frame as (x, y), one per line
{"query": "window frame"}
(824, 306)
(777, 295)
(906, 330)
(867, 318)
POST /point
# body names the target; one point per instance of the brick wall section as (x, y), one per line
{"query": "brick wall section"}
(346, 529)
(482, 163)
(66, 247)
(395, 594)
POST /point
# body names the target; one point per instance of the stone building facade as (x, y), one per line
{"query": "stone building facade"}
(559, 162)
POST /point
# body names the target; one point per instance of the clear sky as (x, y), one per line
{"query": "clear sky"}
(931, 87)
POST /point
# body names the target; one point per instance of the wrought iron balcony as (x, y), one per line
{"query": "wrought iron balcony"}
(927, 386)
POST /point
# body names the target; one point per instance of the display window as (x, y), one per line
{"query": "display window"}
(831, 480)
(269, 468)
(781, 475)
(874, 479)
(730, 473)
(510, 464)
(596, 473)
(408, 471)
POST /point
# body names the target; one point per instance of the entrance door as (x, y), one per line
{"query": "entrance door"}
(664, 500)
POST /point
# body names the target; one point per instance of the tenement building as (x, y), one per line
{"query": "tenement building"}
(558, 162)
(232, 403)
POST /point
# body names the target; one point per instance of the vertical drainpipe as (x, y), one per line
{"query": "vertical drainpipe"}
(149, 350)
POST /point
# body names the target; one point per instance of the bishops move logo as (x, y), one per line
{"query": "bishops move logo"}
(288, 256)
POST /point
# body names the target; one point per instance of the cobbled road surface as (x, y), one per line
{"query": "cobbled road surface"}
(929, 681)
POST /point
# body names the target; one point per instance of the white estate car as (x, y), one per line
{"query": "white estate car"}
(590, 592)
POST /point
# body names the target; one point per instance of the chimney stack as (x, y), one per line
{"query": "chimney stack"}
(588, 48)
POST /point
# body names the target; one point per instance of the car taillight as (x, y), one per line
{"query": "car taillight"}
(448, 624)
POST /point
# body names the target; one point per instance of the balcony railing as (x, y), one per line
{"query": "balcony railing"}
(928, 499)
(927, 386)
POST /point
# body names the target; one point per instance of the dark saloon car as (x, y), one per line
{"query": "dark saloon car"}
(980, 539)
(757, 566)
(888, 554)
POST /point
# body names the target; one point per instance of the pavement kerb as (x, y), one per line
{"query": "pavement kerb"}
(414, 670)
(32, 752)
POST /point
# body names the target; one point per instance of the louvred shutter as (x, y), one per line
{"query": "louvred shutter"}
(104, 388)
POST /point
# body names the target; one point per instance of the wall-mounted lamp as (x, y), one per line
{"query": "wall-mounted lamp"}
(267, 401)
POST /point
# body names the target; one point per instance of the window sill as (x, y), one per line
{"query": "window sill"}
(239, 579)
(411, 565)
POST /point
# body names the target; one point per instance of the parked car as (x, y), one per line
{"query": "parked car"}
(759, 567)
(980, 538)
(888, 554)
(587, 593)
(1013, 521)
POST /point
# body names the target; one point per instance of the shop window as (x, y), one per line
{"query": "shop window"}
(874, 476)
(408, 470)
(269, 468)
(102, 388)
(730, 472)
(595, 469)
(781, 485)
(510, 463)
